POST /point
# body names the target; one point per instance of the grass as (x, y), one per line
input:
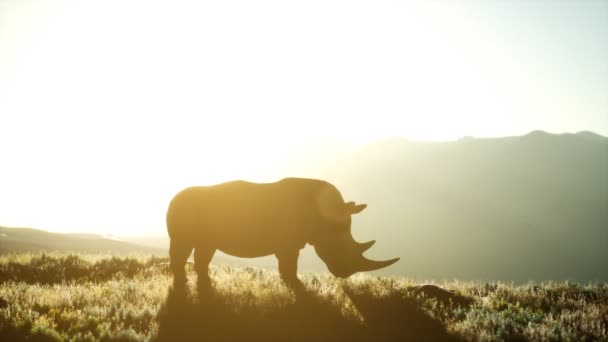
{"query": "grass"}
(90, 297)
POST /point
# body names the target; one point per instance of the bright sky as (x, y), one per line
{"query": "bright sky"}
(107, 108)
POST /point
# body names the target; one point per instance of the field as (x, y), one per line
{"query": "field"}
(92, 297)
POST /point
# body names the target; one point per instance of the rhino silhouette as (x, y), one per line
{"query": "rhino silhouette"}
(249, 220)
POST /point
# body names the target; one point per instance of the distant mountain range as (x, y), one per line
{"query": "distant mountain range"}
(533, 207)
(18, 240)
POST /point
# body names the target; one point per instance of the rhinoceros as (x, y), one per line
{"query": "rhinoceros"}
(249, 220)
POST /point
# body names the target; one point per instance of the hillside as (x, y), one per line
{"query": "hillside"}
(87, 298)
(533, 207)
(19, 240)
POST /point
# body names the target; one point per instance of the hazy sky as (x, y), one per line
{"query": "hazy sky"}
(107, 108)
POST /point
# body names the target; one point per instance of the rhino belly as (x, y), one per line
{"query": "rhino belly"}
(248, 240)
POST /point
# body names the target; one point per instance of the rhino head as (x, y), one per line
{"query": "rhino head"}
(334, 242)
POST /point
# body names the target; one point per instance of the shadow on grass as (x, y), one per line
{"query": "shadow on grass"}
(309, 318)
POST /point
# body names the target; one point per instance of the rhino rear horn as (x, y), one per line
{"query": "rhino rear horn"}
(372, 265)
(362, 247)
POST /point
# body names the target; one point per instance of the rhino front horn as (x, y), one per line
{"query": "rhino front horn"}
(372, 265)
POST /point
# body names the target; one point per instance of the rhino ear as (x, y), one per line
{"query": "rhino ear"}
(357, 208)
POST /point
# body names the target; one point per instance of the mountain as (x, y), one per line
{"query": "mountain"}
(16, 240)
(532, 207)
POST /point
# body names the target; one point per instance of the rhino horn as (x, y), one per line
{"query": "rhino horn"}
(362, 247)
(351, 208)
(372, 265)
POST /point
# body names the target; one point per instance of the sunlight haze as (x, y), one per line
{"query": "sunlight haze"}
(108, 108)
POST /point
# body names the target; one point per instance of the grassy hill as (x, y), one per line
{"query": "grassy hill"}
(85, 298)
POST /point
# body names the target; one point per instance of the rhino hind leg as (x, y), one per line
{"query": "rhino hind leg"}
(179, 251)
(202, 258)
(288, 268)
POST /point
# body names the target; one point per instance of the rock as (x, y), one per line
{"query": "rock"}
(442, 295)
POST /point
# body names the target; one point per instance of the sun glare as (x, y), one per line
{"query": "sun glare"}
(113, 106)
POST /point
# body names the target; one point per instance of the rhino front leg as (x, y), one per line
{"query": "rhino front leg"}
(288, 267)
